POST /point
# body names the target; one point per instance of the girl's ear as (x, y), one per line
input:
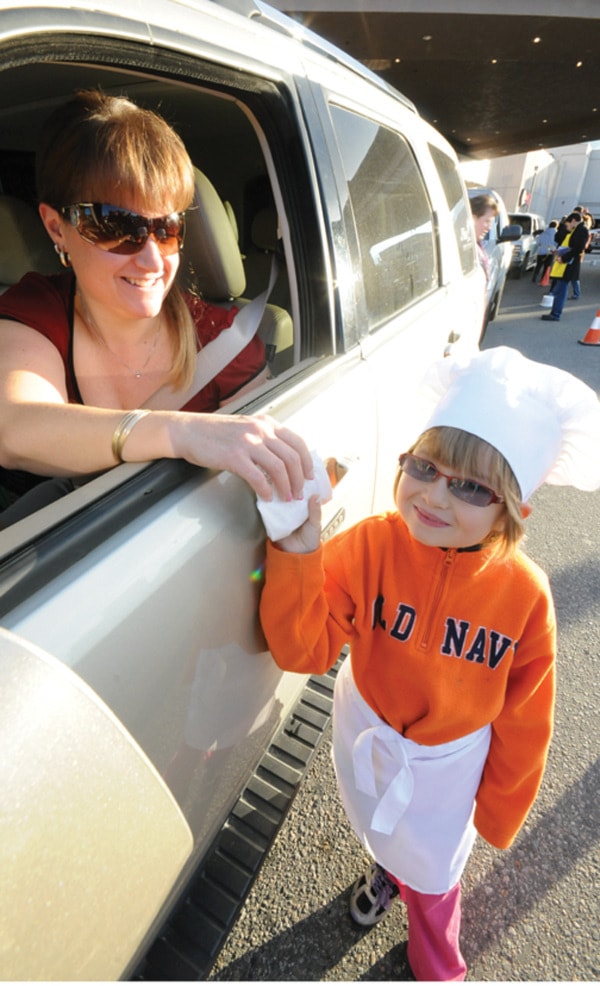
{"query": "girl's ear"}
(526, 509)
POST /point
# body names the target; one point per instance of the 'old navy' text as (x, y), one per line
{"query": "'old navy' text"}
(461, 640)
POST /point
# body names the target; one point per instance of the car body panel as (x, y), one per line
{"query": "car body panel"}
(86, 850)
(144, 582)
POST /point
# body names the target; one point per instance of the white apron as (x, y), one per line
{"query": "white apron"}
(410, 805)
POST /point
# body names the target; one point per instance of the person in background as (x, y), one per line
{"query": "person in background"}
(84, 353)
(546, 247)
(567, 263)
(589, 223)
(484, 209)
(443, 710)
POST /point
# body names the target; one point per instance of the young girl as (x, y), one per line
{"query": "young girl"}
(443, 712)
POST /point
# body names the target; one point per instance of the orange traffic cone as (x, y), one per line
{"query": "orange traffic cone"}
(545, 281)
(592, 336)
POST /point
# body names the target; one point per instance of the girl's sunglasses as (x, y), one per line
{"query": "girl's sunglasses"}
(118, 230)
(466, 490)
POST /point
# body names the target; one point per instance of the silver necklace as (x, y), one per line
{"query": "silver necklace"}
(98, 335)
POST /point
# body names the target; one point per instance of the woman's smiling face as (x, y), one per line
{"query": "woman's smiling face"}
(132, 286)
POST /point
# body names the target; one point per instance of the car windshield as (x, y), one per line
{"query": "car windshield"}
(523, 221)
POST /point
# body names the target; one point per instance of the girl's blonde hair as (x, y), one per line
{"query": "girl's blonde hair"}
(100, 148)
(470, 456)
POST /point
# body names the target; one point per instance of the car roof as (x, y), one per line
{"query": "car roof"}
(529, 215)
(278, 20)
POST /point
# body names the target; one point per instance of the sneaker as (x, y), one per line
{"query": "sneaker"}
(372, 896)
(550, 318)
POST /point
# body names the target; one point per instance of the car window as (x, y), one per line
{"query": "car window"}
(240, 137)
(392, 213)
(493, 233)
(458, 206)
(523, 221)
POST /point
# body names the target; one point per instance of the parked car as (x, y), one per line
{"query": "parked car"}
(595, 240)
(524, 251)
(497, 244)
(150, 744)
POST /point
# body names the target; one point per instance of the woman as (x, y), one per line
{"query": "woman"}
(567, 264)
(484, 209)
(546, 247)
(83, 350)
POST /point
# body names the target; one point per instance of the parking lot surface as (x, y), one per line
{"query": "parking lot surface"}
(530, 913)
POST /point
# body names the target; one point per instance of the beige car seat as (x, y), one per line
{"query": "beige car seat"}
(212, 266)
(28, 246)
(264, 235)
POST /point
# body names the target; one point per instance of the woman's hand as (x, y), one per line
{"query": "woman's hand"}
(307, 537)
(267, 455)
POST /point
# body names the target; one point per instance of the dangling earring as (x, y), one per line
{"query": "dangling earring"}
(63, 256)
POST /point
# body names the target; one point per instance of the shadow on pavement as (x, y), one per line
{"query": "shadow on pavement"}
(536, 863)
(284, 957)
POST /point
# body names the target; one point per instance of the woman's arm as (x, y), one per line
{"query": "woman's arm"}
(41, 433)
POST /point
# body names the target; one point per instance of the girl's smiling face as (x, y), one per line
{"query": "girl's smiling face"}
(436, 517)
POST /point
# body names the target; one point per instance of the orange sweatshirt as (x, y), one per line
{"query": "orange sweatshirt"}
(442, 643)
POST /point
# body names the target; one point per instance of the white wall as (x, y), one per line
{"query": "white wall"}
(590, 192)
(549, 182)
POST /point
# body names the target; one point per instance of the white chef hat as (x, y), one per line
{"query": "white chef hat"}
(543, 420)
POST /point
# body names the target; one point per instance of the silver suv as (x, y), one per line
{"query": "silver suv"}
(497, 245)
(595, 240)
(150, 745)
(524, 251)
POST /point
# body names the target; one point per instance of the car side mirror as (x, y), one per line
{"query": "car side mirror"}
(510, 233)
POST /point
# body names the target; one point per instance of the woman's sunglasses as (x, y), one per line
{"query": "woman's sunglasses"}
(466, 490)
(118, 230)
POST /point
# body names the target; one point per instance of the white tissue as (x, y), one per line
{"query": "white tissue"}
(281, 517)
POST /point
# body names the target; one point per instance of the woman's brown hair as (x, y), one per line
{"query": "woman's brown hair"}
(101, 148)
(481, 203)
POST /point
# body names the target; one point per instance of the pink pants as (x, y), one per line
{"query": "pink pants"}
(433, 934)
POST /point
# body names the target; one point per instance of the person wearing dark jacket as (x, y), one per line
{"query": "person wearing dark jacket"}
(567, 264)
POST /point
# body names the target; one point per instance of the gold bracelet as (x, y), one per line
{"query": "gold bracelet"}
(123, 430)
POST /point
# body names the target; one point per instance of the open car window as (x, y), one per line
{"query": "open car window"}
(239, 133)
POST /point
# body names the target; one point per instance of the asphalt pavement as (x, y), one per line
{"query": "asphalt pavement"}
(530, 913)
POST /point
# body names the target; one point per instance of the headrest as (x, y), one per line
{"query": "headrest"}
(232, 219)
(211, 262)
(264, 229)
(27, 244)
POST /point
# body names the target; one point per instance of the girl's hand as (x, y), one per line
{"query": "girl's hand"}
(307, 537)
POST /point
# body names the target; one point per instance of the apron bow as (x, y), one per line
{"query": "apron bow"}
(393, 802)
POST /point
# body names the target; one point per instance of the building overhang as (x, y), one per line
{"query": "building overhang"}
(494, 76)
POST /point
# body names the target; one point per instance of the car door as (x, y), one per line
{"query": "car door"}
(145, 581)
(413, 295)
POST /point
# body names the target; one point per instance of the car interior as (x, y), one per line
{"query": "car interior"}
(232, 232)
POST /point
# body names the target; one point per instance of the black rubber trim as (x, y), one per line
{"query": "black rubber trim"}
(190, 942)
